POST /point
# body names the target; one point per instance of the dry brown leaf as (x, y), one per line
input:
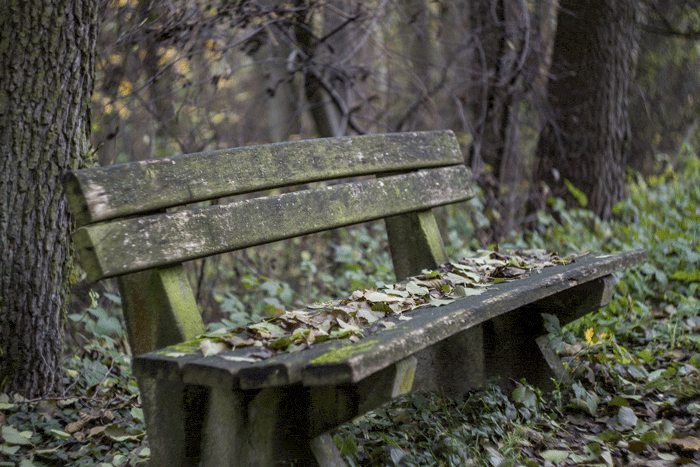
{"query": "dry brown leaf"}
(76, 426)
(689, 443)
(96, 430)
(432, 283)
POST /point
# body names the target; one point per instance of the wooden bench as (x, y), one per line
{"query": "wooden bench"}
(223, 410)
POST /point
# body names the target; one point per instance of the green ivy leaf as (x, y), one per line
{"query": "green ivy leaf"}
(13, 436)
(555, 455)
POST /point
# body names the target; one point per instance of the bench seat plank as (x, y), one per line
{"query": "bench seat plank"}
(343, 362)
(139, 187)
(130, 245)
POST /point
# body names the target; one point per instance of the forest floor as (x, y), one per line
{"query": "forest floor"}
(634, 398)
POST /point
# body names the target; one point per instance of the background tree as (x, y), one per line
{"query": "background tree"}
(664, 108)
(586, 135)
(507, 65)
(46, 58)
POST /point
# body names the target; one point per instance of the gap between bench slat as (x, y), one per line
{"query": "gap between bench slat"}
(140, 187)
(130, 245)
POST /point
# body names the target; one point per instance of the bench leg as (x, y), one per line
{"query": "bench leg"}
(512, 351)
(262, 428)
(453, 366)
(515, 344)
(326, 452)
(287, 426)
(174, 419)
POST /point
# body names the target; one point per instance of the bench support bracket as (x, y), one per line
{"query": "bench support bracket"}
(515, 344)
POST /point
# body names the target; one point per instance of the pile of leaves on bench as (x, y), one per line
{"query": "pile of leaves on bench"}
(363, 313)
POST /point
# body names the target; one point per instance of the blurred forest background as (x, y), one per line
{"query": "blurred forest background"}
(187, 76)
(551, 100)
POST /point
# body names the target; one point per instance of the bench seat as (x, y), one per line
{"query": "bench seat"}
(586, 282)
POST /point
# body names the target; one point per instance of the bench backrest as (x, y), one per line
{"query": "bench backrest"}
(125, 230)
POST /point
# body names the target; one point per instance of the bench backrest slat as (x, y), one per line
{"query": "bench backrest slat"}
(130, 245)
(140, 187)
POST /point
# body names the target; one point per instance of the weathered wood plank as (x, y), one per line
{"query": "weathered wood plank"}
(331, 406)
(431, 325)
(264, 428)
(130, 245)
(281, 425)
(174, 413)
(452, 366)
(335, 363)
(125, 189)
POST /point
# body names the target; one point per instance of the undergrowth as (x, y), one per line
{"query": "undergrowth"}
(634, 364)
(634, 398)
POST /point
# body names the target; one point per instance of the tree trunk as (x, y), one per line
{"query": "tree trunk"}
(322, 109)
(47, 62)
(502, 61)
(585, 138)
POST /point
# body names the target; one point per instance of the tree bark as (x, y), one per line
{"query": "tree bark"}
(502, 59)
(47, 62)
(586, 136)
(322, 110)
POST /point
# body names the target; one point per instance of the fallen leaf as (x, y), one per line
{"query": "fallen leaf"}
(375, 297)
(12, 436)
(416, 289)
(456, 279)
(689, 443)
(212, 348)
(9, 450)
(238, 341)
(431, 284)
(400, 293)
(96, 430)
(462, 291)
(440, 302)
(626, 418)
(268, 328)
(60, 434)
(233, 358)
(369, 316)
(119, 433)
(555, 455)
